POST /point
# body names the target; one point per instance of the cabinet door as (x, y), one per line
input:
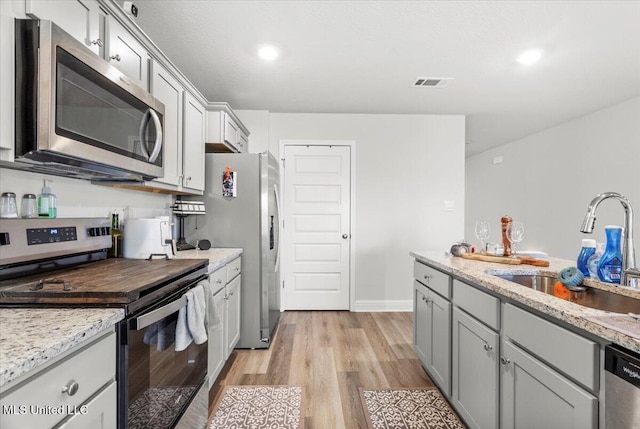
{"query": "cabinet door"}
(230, 131)
(127, 54)
(474, 372)
(421, 322)
(535, 396)
(233, 314)
(99, 413)
(168, 90)
(193, 144)
(217, 342)
(439, 341)
(7, 52)
(79, 18)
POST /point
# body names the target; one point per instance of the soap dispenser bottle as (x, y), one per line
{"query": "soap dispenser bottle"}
(610, 265)
(47, 204)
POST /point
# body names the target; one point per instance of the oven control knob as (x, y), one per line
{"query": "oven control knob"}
(71, 388)
(92, 232)
(5, 239)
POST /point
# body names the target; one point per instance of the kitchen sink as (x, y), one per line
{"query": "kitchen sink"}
(590, 297)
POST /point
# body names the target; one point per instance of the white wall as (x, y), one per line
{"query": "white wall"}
(406, 166)
(79, 198)
(548, 179)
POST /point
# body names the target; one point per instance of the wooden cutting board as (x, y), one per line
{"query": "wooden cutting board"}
(506, 260)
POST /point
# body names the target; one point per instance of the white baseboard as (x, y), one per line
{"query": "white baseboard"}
(383, 305)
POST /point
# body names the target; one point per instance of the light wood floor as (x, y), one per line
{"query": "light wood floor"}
(332, 354)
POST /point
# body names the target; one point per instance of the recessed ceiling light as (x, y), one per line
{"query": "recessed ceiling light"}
(529, 57)
(268, 53)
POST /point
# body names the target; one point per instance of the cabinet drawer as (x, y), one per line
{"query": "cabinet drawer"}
(233, 269)
(436, 280)
(218, 279)
(92, 368)
(480, 305)
(570, 353)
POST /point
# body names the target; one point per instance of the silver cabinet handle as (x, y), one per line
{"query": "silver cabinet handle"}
(115, 57)
(236, 269)
(71, 388)
(427, 277)
(345, 236)
(98, 42)
(504, 360)
(487, 347)
(219, 281)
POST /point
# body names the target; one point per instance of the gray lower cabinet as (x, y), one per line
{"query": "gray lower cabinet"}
(535, 396)
(432, 335)
(475, 370)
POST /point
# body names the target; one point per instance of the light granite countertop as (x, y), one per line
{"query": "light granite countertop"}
(480, 273)
(31, 337)
(217, 256)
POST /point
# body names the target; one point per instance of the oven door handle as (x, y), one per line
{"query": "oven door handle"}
(158, 314)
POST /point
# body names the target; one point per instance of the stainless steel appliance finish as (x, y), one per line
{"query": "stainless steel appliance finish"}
(586, 296)
(622, 388)
(79, 116)
(61, 262)
(251, 221)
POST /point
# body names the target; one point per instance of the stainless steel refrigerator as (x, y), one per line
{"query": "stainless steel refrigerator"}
(250, 220)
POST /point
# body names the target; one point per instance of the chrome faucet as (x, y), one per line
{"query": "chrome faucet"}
(629, 269)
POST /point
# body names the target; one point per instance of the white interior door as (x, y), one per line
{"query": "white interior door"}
(317, 233)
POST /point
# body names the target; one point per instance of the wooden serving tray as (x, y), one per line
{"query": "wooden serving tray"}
(506, 260)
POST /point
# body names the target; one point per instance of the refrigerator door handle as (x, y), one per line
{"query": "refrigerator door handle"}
(275, 191)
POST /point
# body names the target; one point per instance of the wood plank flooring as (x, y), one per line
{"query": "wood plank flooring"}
(332, 354)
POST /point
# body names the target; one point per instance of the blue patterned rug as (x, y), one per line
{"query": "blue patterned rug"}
(258, 407)
(408, 408)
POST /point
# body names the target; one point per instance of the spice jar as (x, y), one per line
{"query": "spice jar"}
(8, 207)
(29, 207)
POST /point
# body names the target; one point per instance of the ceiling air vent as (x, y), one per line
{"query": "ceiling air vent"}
(432, 82)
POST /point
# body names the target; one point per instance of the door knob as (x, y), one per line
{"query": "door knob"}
(345, 236)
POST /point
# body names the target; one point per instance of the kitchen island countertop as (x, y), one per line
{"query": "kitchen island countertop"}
(217, 256)
(31, 337)
(480, 273)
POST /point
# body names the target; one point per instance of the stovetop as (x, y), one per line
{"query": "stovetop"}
(116, 282)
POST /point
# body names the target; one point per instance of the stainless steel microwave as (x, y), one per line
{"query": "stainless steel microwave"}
(79, 116)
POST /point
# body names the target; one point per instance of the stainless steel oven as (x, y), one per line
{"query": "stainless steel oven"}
(161, 378)
(157, 377)
(77, 115)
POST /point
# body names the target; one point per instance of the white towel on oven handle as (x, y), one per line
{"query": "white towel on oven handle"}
(196, 314)
(191, 319)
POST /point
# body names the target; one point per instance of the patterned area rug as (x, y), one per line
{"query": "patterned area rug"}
(408, 408)
(258, 407)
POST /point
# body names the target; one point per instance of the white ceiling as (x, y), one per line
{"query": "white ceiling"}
(362, 56)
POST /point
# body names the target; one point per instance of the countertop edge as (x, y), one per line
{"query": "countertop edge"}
(48, 352)
(568, 312)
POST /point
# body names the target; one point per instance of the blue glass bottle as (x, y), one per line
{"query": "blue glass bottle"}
(588, 249)
(610, 265)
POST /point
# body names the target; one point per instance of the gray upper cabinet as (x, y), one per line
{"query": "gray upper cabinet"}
(127, 54)
(475, 370)
(79, 18)
(193, 145)
(535, 396)
(168, 90)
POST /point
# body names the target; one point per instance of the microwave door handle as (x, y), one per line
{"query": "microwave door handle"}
(154, 316)
(141, 131)
(158, 146)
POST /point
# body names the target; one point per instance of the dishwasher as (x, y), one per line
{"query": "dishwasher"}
(622, 388)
